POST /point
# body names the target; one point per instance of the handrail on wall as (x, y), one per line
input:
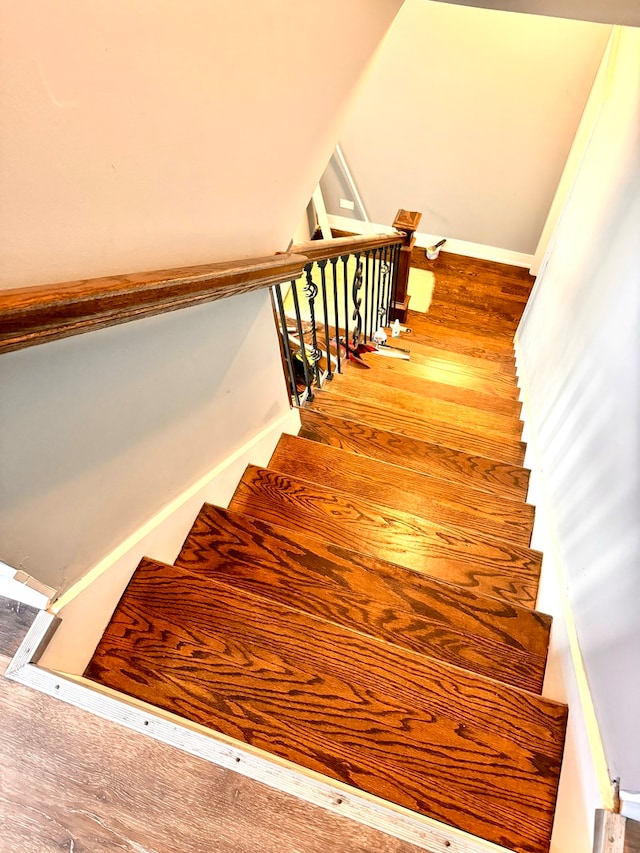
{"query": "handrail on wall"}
(43, 313)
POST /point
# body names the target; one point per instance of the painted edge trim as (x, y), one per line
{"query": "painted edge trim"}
(423, 240)
(19, 586)
(226, 752)
(594, 737)
(166, 512)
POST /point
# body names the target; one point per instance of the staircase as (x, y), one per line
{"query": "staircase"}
(364, 607)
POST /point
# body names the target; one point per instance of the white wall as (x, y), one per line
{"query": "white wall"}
(137, 135)
(468, 116)
(579, 361)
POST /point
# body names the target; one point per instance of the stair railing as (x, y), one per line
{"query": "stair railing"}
(349, 288)
(340, 291)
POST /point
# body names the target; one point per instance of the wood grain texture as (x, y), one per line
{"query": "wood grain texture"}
(486, 347)
(316, 250)
(428, 406)
(478, 472)
(371, 715)
(478, 633)
(35, 315)
(74, 782)
(632, 836)
(478, 276)
(484, 565)
(453, 386)
(424, 353)
(389, 485)
(15, 620)
(396, 420)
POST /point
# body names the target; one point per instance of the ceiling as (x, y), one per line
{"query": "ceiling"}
(626, 12)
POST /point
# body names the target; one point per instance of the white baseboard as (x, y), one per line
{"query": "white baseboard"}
(585, 783)
(457, 247)
(87, 606)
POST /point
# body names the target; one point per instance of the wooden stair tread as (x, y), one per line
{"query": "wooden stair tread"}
(482, 347)
(497, 478)
(424, 429)
(444, 387)
(458, 381)
(482, 277)
(487, 345)
(485, 565)
(481, 634)
(419, 494)
(503, 303)
(424, 353)
(428, 407)
(329, 698)
(461, 318)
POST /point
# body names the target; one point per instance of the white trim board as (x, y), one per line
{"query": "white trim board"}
(224, 751)
(87, 606)
(424, 240)
(19, 586)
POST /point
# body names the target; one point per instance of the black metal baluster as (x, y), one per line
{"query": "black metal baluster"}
(379, 314)
(323, 284)
(334, 265)
(345, 286)
(386, 269)
(395, 262)
(308, 377)
(311, 291)
(367, 295)
(357, 302)
(277, 290)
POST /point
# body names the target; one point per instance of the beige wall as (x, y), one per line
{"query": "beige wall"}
(141, 134)
(468, 115)
(136, 135)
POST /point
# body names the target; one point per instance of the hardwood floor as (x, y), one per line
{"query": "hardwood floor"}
(362, 592)
(403, 489)
(358, 710)
(364, 607)
(448, 464)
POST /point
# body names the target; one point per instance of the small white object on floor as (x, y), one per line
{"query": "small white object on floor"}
(395, 329)
(380, 336)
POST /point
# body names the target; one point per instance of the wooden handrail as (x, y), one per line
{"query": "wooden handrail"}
(43, 313)
(36, 315)
(318, 250)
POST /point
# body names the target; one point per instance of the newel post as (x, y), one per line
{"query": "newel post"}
(406, 221)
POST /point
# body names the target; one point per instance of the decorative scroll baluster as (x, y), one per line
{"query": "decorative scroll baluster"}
(378, 321)
(308, 376)
(334, 265)
(355, 315)
(386, 286)
(311, 291)
(286, 346)
(323, 285)
(345, 287)
(357, 302)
